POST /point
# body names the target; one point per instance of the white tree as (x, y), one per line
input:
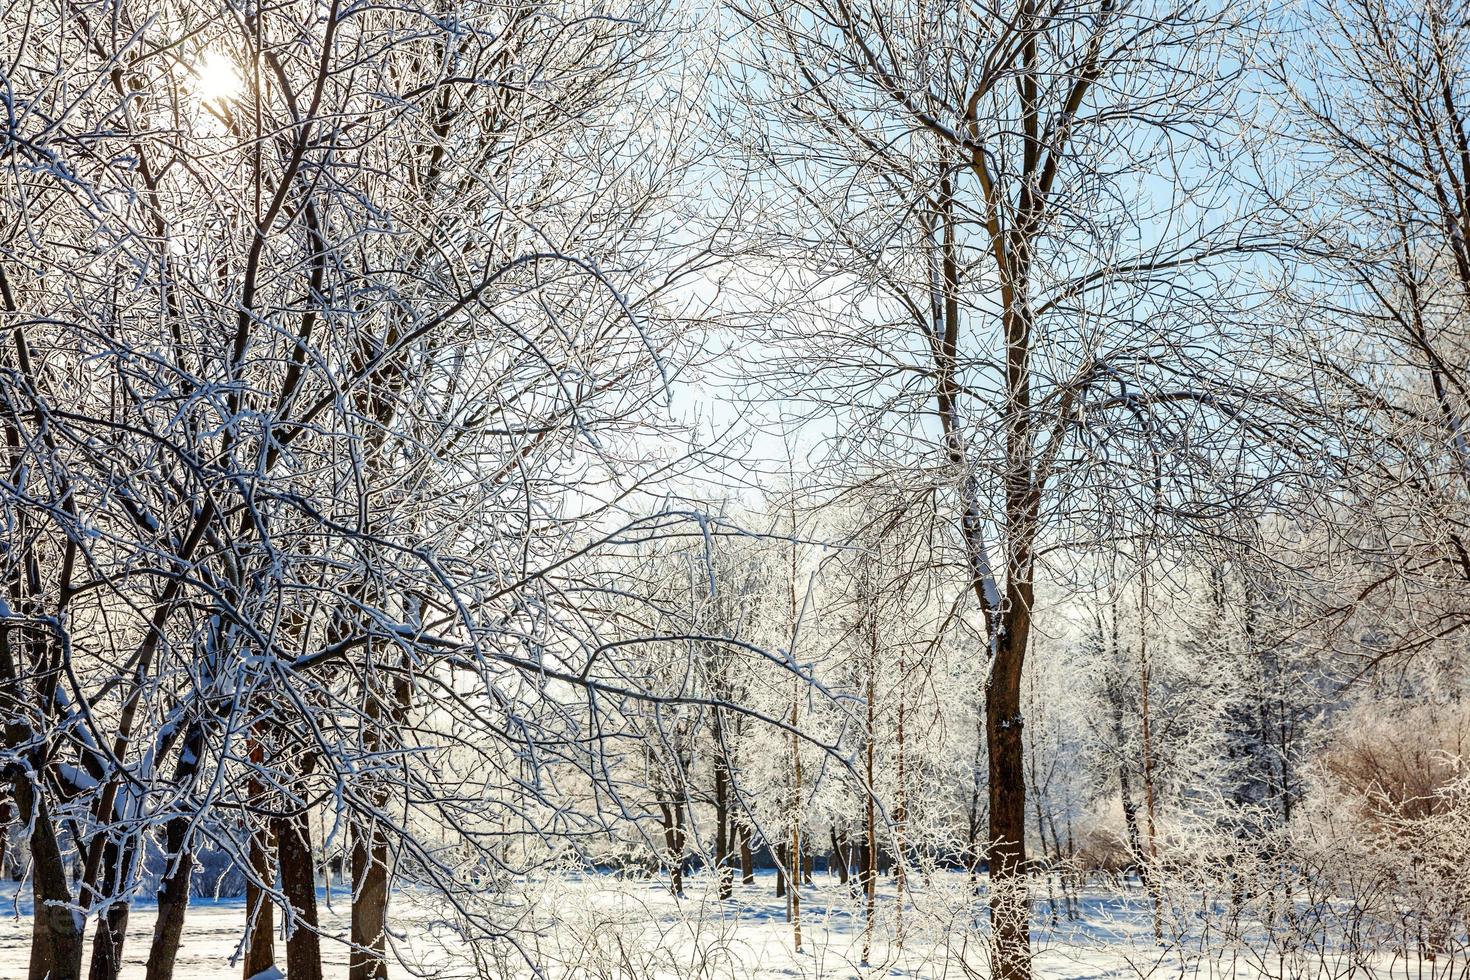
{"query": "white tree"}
(330, 331)
(999, 217)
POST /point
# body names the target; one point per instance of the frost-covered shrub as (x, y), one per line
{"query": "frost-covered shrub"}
(1102, 852)
(1391, 822)
(1393, 767)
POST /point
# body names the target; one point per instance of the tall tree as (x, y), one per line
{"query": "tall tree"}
(293, 417)
(1002, 232)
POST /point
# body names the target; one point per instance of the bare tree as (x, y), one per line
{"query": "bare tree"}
(1370, 166)
(309, 311)
(1001, 232)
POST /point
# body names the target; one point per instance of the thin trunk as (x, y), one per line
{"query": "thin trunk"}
(297, 863)
(747, 859)
(173, 891)
(870, 845)
(1130, 822)
(1125, 768)
(1069, 876)
(1144, 670)
(900, 802)
(107, 942)
(1048, 853)
(260, 918)
(973, 849)
(260, 923)
(370, 851)
(369, 958)
(173, 900)
(1038, 790)
(723, 829)
(671, 804)
(681, 806)
(4, 836)
(839, 858)
(112, 921)
(796, 793)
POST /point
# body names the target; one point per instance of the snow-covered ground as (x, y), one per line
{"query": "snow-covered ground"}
(601, 927)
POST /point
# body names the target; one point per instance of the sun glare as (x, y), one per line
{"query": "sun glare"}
(217, 78)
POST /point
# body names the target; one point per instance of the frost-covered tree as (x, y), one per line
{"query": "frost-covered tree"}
(329, 334)
(997, 221)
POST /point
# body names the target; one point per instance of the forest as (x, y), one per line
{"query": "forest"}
(722, 489)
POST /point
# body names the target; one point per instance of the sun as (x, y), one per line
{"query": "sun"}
(216, 78)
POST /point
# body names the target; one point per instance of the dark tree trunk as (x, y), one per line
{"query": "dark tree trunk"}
(173, 891)
(56, 935)
(297, 864)
(673, 843)
(839, 858)
(747, 858)
(4, 836)
(107, 942)
(1006, 854)
(260, 918)
(371, 879)
(723, 829)
(173, 900)
(112, 923)
(780, 856)
(369, 960)
(1125, 779)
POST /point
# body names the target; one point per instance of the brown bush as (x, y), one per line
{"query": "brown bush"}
(1397, 762)
(1102, 852)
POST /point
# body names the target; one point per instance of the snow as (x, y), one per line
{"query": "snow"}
(601, 926)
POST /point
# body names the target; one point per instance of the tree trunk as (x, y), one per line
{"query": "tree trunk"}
(900, 793)
(1008, 618)
(747, 859)
(4, 835)
(974, 849)
(173, 900)
(173, 891)
(1144, 672)
(723, 830)
(107, 942)
(297, 862)
(371, 882)
(900, 804)
(260, 919)
(797, 801)
(369, 960)
(839, 858)
(1006, 853)
(112, 922)
(56, 933)
(1125, 775)
(680, 806)
(673, 845)
(870, 845)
